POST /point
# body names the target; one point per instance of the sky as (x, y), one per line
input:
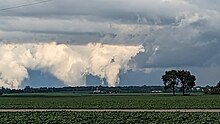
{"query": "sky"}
(175, 34)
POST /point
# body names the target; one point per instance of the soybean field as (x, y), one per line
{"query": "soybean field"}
(116, 101)
(108, 117)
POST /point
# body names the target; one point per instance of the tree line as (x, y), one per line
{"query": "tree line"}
(85, 89)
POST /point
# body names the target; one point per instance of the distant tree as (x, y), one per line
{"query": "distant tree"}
(218, 85)
(1, 90)
(214, 89)
(187, 80)
(170, 80)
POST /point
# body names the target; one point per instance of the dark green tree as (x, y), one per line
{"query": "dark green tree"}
(187, 80)
(218, 85)
(170, 80)
(1, 90)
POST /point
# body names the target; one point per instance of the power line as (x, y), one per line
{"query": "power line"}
(23, 5)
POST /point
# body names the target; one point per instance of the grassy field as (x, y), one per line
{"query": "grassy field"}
(109, 117)
(135, 101)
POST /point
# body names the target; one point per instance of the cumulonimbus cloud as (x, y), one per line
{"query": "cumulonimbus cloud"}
(69, 63)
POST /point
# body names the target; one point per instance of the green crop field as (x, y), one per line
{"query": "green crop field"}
(138, 101)
(108, 117)
(100, 101)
